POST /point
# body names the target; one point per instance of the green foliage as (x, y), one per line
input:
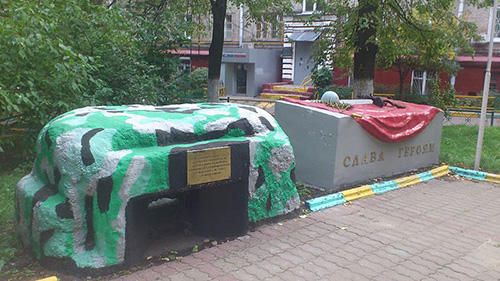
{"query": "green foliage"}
(303, 191)
(458, 147)
(344, 92)
(187, 87)
(42, 74)
(409, 34)
(476, 102)
(440, 96)
(322, 77)
(9, 243)
(59, 55)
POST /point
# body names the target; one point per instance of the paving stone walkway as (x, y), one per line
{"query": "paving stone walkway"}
(446, 229)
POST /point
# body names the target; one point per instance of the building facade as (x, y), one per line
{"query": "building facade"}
(251, 54)
(281, 50)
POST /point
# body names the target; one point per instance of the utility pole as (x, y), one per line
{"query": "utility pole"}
(486, 88)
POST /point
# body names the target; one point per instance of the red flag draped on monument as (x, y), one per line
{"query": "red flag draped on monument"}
(387, 123)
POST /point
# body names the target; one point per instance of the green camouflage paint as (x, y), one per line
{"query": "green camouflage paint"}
(117, 150)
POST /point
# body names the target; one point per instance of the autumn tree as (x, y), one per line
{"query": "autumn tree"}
(388, 32)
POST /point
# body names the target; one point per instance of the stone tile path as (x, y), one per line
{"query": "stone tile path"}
(446, 229)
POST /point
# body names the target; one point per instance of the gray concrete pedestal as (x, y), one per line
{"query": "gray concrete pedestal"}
(333, 151)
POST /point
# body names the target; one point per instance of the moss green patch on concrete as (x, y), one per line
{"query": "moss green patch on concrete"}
(271, 198)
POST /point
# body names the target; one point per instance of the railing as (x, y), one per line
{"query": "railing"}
(493, 101)
(469, 114)
(306, 82)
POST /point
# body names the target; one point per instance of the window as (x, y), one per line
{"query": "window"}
(228, 28)
(259, 30)
(270, 28)
(262, 31)
(276, 27)
(309, 6)
(185, 64)
(420, 81)
(496, 26)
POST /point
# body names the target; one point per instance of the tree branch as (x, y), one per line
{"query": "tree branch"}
(111, 4)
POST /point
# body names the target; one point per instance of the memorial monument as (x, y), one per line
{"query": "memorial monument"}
(97, 170)
(338, 147)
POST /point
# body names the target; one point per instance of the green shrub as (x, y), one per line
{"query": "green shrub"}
(438, 95)
(383, 89)
(322, 77)
(344, 92)
(58, 55)
(187, 87)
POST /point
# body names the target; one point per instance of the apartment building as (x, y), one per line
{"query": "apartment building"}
(251, 54)
(470, 78)
(263, 51)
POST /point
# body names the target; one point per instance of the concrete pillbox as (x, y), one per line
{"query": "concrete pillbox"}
(332, 151)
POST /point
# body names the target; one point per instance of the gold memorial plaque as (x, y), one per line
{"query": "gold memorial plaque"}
(208, 165)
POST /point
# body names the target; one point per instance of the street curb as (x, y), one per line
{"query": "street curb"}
(52, 278)
(335, 199)
(475, 175)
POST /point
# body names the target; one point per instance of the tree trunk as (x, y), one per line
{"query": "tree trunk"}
(365, 49)
(401, 80)
(403, 72)
(363, 88)
(216, 46)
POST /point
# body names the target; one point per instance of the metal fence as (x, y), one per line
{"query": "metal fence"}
(470, 117)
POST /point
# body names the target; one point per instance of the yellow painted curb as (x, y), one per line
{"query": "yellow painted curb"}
(278, 96)
(492, 178)
(51, 278)
(457, 114)
(359, 192)
(290, 88)
(264, 105)
(406, 181)
(440, 171)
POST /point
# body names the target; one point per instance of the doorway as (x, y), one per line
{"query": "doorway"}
(241, 78)
(303, 64)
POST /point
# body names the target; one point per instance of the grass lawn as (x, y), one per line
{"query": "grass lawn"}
(10, 246)
(458, 147)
